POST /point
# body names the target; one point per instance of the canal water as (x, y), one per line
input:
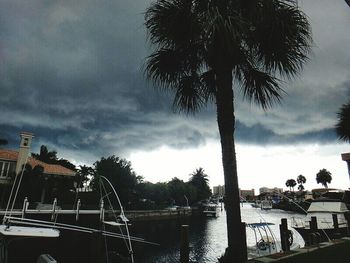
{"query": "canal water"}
(208, 238)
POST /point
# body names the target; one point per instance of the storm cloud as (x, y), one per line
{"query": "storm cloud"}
(71, 73)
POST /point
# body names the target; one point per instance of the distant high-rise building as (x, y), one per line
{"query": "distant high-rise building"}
(219, 190)
(274, 190)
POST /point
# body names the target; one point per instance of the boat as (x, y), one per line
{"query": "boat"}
(211, 209)
(265, 241)
(256, 204)
(326, 219)
(266, 205)
(18, 232)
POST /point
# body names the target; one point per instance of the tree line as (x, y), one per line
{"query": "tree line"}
(133, 191)
(323, 177)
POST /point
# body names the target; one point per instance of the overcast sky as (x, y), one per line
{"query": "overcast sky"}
(71, 73)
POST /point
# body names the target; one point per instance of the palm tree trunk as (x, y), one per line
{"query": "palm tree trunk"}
(236, 251)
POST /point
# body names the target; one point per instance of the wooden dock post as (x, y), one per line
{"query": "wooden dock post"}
(284, 232)
(335, 221)
(313, 224)
(185, 245)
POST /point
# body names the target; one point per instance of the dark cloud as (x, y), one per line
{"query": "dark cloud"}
(71, 73)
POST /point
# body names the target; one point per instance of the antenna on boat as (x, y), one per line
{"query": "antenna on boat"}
(122, 216)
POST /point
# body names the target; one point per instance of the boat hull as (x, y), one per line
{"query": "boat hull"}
(321, 235)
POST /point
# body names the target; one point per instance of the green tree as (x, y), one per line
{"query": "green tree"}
(120, 173)
(45, 155)
(291, 183)
(324, 177)
(343, 125)
(177, 190)
(83, 175)
(202, 47)
(50, 157)
(199, 180)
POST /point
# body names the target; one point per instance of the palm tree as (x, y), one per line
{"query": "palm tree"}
(291, 183)
(324, 177)
(199, 179)
(343, 124)
(45, 155)
(301, 181)
(301, 187)
(202, 47)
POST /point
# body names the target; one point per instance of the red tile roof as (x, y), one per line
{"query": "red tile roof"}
(51, 169)
(8, 155)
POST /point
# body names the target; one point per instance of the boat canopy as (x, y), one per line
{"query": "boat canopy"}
(327, 206)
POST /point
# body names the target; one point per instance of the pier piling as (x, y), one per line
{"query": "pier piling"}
(284, 232)
(185, 245)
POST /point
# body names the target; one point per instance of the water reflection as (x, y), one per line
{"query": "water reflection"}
(208, 238)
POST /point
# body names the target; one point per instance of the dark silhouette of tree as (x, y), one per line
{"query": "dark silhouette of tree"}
(45, 155)
(301, 181)
(50, 157)
(120, 173)
(199, 180)
(177, 189)
(348, 2)
(324, 177)
(343, 125)
(203, 47)
(291, 183)
(301, 187)
(32, 183)
(83, 174)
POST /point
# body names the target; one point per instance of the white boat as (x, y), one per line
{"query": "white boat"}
(329, 216)
(23, 231)
(265, 242)
(211, 210)
(266, 204)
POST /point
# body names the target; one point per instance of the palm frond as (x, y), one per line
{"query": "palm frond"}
(343, 125)
(189, 97)
(164, 67)
(281, 36)
(258, 86)
(171, 23)
(209, 86)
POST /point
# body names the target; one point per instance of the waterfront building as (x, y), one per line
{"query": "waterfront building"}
(266, 190)
(219, 190)
(12, 162)
(247, 194)
(244, 194)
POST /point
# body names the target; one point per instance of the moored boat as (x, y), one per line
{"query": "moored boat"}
(211, 209)
(326, 219)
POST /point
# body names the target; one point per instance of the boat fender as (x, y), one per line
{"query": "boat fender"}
(290, 237)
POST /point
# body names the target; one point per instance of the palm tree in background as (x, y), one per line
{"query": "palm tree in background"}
(291, 183)
(45, 155)
(343, 124)
(324, 177)
(202, 47)
(301, 180)
(199, 179)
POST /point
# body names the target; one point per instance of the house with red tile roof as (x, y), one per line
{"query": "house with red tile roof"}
(12, 162)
